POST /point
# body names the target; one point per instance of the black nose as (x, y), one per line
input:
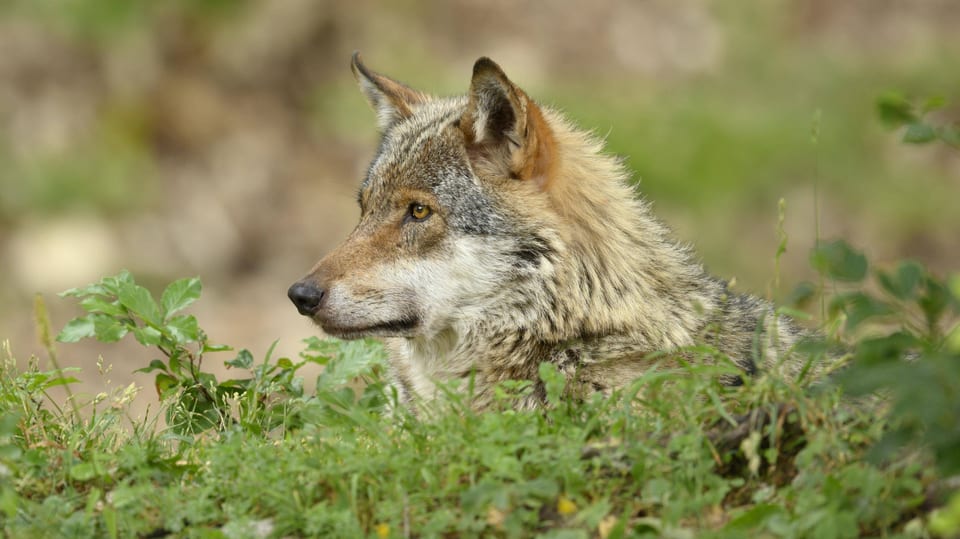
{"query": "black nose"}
(306, 296)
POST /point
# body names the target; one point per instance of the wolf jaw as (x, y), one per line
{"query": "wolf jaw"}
(528, 245)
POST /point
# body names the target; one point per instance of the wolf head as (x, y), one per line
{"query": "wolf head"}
(454, 216)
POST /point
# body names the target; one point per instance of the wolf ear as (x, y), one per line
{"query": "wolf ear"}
(502, 126)
(392, 100)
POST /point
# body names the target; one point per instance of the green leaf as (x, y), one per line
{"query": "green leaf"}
(115, 283)
(183, 328)
(934, 300)
(108, 286)
(285, 363)
(903, 284)
(155, 365)
(801, 294)
(147, 335)
(76, 329)
(84, 471)
(894, 110)
(859, 307)
(193, 413)
(945, 522)
(139, 301)
(919, 133)
(839, 261)
(885, 349)
(61, 381)
(176, 365)
(164, 384)
(553, 381)
(89, 290)
(235, 385)
(754, 517)
(347, 360)
(180, 294)
(108, 329)
(96, 304)
(216, 348)
(244, 360)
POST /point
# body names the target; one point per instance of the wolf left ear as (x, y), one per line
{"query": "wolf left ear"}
(503, 127)
(392, 100)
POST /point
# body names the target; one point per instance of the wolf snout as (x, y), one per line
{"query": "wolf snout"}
(307, 296)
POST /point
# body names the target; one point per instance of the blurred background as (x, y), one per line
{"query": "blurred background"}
(225, 139)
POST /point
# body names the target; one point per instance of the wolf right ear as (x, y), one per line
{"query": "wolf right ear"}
(392, 100)
(504, 128)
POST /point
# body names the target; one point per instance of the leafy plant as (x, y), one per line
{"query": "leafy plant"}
(907, 349)
(271, 397)
(896, 111)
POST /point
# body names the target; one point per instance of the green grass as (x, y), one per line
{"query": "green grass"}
(675, 454)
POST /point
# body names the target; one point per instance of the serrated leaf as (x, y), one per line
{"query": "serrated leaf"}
(108, 286)
(919, 133)
(108, 329)
(147, 335)
(839, 261)
(244, 360)
(155, 365)
(894, 110)
(96, 304)
(179, 294)
(347, 360)
(89, 290)
(183, 328)
(139, 301)
(76, 329)
(114, 283)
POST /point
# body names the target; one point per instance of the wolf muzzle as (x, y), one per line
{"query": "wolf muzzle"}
(306, 296)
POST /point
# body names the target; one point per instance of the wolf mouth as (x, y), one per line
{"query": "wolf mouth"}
(401, 327)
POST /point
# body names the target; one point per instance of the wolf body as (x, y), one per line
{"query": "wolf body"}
(494, 236)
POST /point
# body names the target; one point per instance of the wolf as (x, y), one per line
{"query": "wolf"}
(494, 236)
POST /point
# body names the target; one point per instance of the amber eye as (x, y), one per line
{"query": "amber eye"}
(419, 212)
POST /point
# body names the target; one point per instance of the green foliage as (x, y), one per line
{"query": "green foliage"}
(896, 111)
(652, 460)
(838, 261)
(271, 397)
(911, 358)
